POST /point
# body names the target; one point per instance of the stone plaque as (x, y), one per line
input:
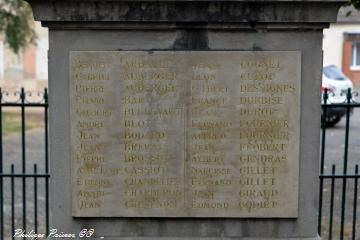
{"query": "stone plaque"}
(185, 134)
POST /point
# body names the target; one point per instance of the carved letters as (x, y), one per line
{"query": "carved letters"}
(185, 134)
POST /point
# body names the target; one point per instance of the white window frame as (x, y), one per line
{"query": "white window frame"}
(354, 56)
(2, 60)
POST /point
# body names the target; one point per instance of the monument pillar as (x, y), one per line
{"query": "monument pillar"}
(185, 119)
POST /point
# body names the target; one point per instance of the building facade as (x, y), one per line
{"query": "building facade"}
(341, 44)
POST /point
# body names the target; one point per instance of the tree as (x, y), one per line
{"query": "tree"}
(16, 23)
(355, 3)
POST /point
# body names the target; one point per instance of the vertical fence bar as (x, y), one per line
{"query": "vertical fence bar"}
(322, 158)
(12, 200)
(355, 202)
(332, 202)
(35, 200)
(46, 108)
(23, 104)
(343, 198)
(23, 151)
(1, 170)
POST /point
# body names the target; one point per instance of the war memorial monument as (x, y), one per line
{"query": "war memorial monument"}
(185, 119)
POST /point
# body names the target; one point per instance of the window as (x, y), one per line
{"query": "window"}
(355, 63)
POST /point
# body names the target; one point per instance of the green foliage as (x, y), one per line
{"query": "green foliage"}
(11, 122)
(16, 23)
(355, 3)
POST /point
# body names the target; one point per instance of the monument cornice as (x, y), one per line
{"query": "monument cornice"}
(182, 12)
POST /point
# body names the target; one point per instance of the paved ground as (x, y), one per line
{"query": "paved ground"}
(335, 144)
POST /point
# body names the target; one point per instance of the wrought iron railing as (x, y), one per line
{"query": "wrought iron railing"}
(21, 103)
(16, 216)
(347, 225)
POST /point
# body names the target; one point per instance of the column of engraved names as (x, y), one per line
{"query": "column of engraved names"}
(152, 150)
(264, 132)
(210, 125)
(90, 81)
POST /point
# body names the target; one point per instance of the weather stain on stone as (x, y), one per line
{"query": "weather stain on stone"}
(257, 48)
(192, 40)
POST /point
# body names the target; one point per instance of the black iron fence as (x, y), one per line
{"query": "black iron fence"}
(24, 179)
(24, 182)
(338, 195)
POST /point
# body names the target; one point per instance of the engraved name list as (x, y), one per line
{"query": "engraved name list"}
(185, 134)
